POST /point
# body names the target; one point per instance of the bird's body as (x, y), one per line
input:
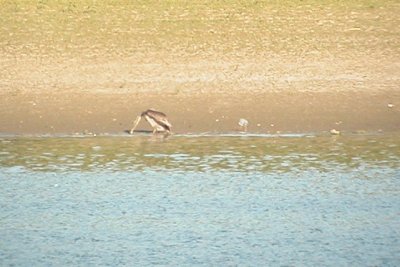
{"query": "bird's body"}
(156, 119)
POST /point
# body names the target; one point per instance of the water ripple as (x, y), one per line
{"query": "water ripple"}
(201, 153)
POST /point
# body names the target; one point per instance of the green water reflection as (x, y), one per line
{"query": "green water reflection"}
(185, 153)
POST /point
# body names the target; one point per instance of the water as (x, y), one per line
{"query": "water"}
(200, 201)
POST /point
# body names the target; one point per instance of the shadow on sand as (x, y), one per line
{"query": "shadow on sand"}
(139, 131)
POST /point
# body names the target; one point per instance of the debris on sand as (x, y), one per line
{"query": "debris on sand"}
(243, 123)
(334, 132)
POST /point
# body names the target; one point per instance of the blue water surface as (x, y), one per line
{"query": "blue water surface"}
(203, 201)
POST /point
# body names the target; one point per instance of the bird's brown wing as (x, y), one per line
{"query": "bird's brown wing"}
(159, 117)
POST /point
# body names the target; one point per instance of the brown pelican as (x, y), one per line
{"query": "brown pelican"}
(157, 120)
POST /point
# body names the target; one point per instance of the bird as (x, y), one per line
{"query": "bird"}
(156, 119)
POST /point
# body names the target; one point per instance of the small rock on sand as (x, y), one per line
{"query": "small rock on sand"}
(334, 132)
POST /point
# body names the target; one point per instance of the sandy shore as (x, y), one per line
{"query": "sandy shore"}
(267, 112)
(284, 68)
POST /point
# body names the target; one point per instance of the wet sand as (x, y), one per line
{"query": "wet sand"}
(268, 112)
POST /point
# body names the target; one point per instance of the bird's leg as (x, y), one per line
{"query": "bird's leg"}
(135, 123)
(154, 130)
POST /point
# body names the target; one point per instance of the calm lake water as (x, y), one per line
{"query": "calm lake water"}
(200, 201)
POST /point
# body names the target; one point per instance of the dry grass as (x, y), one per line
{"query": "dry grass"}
(198, 28)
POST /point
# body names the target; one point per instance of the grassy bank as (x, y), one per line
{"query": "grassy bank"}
(198, 28)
